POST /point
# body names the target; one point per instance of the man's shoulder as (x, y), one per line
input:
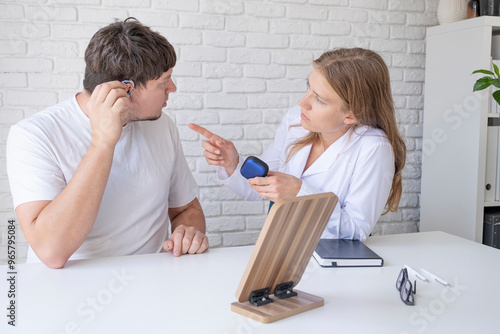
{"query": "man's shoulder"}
(50, 116)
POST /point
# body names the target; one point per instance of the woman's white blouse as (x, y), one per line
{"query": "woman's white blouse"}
(358, 168)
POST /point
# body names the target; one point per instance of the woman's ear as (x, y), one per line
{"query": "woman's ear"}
(350, 119)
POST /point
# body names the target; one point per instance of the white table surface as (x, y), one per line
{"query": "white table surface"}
(158, 293)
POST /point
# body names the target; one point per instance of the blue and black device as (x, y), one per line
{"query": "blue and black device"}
(254, 167)
(130, 87)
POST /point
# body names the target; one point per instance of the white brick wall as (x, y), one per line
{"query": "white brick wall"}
(241, 65)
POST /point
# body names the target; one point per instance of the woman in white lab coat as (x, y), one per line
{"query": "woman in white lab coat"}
(341, 138)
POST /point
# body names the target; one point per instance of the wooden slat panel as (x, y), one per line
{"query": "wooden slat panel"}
(286, 243)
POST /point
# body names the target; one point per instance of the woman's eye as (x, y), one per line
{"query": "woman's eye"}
(318, 99)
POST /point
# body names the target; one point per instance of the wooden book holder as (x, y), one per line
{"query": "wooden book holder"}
(284, 248)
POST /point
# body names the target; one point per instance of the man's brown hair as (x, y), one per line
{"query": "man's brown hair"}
(127, 50)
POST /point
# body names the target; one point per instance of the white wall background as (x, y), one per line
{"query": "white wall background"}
(241, 65)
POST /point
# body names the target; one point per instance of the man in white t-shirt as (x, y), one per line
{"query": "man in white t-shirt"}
(102, 174)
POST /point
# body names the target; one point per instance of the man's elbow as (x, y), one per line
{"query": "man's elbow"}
(54, 264)
(53, 259)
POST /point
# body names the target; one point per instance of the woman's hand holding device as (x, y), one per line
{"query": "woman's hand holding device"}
(269, 185)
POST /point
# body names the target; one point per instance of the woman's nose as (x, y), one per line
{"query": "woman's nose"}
(303, 102)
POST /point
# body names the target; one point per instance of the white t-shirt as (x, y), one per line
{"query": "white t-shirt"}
(149, 174)
(358, 168)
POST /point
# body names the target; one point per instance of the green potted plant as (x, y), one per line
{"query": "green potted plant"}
(491, 78)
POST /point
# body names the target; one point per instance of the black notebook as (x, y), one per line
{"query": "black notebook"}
(345, 253)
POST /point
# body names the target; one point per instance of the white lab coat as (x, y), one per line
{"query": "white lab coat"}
(358, 168)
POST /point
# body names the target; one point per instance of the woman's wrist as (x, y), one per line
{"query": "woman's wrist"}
(232, 167)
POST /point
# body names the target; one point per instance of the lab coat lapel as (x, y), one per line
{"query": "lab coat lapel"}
(324, 162)
(298, 162)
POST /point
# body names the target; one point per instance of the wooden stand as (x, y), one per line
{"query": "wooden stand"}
(286, 243)
(280, 308)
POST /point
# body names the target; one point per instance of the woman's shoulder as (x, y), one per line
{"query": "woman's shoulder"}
(369, 138)
(375, 134)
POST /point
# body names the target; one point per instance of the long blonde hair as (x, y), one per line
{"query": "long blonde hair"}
(361, 79)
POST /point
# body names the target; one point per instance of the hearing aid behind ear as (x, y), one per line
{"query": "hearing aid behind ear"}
(130, 85)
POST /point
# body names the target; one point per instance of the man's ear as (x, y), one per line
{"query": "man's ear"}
(350, 119)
